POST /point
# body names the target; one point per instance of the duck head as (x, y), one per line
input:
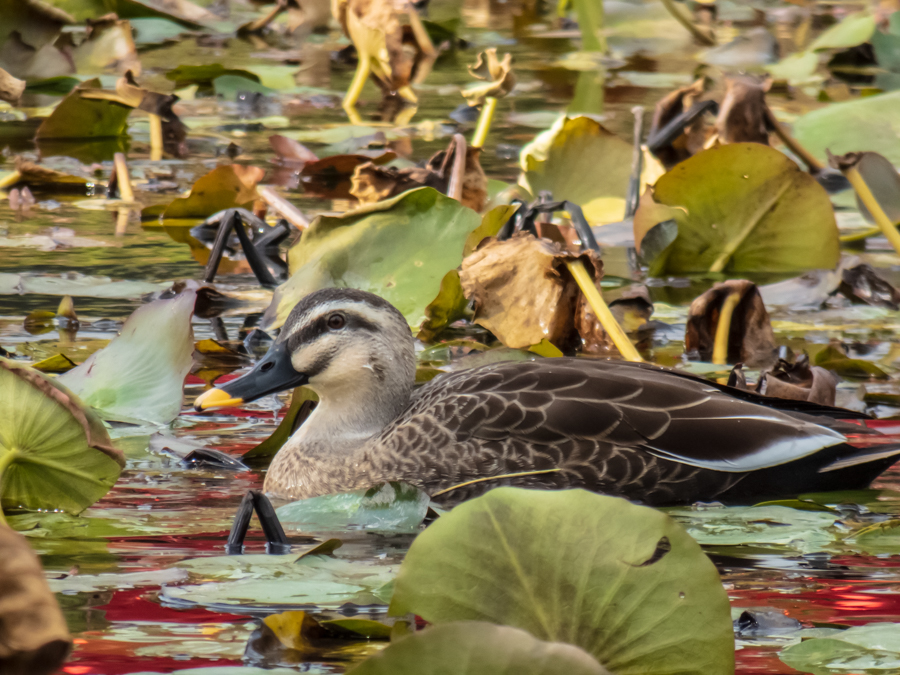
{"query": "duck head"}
(350, 347)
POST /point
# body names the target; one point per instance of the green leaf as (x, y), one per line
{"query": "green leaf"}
(185, 76)
(140, 374)
(77, 117)
(887, 45)
(564, 161)
(743, 207)
(869, 123)
(54, 452)
(400, 249)
(874, 647)
(624, 582)
(796, 68)
(477, 648)
(853, 30)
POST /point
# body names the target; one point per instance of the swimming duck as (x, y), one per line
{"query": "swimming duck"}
(649, 434)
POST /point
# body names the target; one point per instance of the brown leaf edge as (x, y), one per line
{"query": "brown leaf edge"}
(94, 431)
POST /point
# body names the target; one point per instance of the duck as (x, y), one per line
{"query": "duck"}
(651, 434)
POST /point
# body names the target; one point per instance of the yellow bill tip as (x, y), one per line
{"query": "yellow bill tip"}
(215, 398)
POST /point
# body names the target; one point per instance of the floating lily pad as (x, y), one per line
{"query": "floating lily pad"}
(574, 567)
(868, 123)
(873, 648)
(140, 374)
(391, 507)
(54, 452)
(399, 249)
(854, 29)
(743, 207)
(478, 648)
(77, 117)
(564, 160)
(224, 187)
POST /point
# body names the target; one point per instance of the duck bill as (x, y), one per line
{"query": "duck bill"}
(273, 373)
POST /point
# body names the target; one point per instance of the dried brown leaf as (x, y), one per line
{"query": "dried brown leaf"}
(742, 113)
(799, 381)
(497, 75)
(11, 88)
(695, 135)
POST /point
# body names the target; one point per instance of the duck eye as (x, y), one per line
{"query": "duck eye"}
(336, 321)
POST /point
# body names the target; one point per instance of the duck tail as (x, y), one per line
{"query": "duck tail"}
(877, 440)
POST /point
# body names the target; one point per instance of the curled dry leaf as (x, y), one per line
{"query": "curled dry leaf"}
(290, 152)
(497, 77)
(694, 136)
(371, 183)
(523, 292)
(750, 336)
(11, 88)
(38, 177)
(863, 284)
(742, 113)
(34, 639)
(799, 381)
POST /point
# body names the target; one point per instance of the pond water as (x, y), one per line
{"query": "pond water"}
(117, 568)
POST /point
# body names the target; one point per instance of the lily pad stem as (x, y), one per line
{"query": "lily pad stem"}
(123, 180)
(156, 138)
(813, 164)
(868, 199)
(484, 122)
(601, 310)
(723, 329)
(701, 35)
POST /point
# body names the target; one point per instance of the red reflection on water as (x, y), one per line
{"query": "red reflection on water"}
(134, 605)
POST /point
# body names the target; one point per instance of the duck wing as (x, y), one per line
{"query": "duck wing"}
(555, 402)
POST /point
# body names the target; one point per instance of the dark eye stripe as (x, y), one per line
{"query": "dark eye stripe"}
(319, 326)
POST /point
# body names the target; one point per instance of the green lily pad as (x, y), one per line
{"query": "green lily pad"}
(574, 567)
(743, 207)
(796, 68)
(76, 117)
(185, 76)
(869, 123)
(265, 581)
(140, 374)
(395, 507)
(478, 648)
(873, 648)
(399, 249)
(54, 452)
(883, 537)
(564, 160)
(854, 29)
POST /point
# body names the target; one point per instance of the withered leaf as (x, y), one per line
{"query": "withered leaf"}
(497, 76)
(863, 284)
(11, 88)
(799, 381)
(750, 336)
(694, 136)
(742, 112)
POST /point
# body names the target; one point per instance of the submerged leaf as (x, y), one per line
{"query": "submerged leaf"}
(400, 249)
(743, 207)
(34, 639)
(140, 374)
(564, 159)
(478, 648)
(55, 453)
(575, 567)
(873, 648)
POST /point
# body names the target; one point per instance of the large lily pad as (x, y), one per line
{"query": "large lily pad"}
(869, 123)
(565, 160)
(478, 648)
(140, 374)
(874, 648)
(54, 452)
(743, 207)
(624, 582)
(79, 117)
(399, 249)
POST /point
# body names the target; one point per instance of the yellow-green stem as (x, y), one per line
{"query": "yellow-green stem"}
(701, 35)
(723, 329)
(156, 138)
(868, 199)
(601, 310)
(122, 178)
(484, 122)
(792, 143)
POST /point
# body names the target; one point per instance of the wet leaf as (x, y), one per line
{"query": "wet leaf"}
(400, 249)
(205, 75)
(693, 136)
(79, 117)
(523, 292)
(864, 124)
(40, 178)
(795, 69)
(625, 566)
(852, 30)
(563, 161)
(497, 77)
(478, 648)
(108, 47)
(77, 285)
(390, 507)
(750, 336)
(799, 381)
(34, 639)
(225, 187)
(874, 647)
(742, 112)
(140, 374)
(834, 359)
(54, 364)
(54, 452)
(862, 283)
(742, 207)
